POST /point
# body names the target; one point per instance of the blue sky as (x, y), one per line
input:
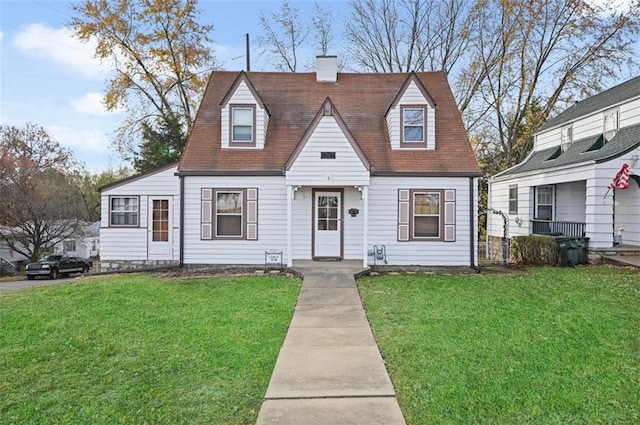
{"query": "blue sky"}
(49, 78)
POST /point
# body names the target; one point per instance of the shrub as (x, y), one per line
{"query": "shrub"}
(534, 250)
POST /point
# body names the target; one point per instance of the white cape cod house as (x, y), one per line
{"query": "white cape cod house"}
(322, 165)
(564, 187)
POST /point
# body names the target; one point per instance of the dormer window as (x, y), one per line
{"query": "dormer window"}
(610, 127)
(566, 138)
(243, 128)
(413, 126)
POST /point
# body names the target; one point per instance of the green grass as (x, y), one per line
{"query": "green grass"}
(555, 346)
(139, 350)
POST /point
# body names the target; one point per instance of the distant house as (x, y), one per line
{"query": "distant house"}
(582, 178)
(7, 253)
(306, 166)
(84, 243)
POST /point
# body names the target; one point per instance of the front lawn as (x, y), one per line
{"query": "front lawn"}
(136, 349)
(555, 346)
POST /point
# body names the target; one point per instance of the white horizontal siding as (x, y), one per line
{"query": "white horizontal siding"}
(627, 208)
(383, 216)
(244, 96)
(411, 96)
(353, 226)
(591, 125)
(123, 244)
(130, 243)
(272, 222)
(570, 201)
(630, 113)
(310, 169)
(301, 224)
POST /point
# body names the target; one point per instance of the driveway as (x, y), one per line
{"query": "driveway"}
(23, 284)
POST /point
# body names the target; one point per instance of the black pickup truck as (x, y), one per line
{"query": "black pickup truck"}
(53, 266)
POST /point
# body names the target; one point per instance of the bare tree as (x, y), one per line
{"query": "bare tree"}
(40, 200)
(284, 35)
(161, 57)
(530, 58)
(322, 22)
(290, 41)
(407, 35)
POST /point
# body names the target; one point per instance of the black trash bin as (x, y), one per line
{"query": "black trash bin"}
(572, 251)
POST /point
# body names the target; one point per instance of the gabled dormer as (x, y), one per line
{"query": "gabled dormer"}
(244, 117)
(411, 117)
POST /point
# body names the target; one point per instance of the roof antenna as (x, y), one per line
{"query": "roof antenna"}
(248, 58)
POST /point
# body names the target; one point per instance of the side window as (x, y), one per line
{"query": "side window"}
(513, 199)
(243, 128)
(123, 211)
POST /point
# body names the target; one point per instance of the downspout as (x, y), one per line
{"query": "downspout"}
(472, 237)
(181, 221)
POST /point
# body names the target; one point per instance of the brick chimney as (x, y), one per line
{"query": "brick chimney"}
(326, 69)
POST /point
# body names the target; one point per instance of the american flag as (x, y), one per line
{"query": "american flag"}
(621, 180)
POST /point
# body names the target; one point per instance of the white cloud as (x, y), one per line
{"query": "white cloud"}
(91, 103)
(59, 45)
(85, 140)
(1, 36)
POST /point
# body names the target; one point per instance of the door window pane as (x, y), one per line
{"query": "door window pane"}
(327, 218)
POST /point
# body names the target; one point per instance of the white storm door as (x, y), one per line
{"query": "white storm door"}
(327, 225)
(159, 228)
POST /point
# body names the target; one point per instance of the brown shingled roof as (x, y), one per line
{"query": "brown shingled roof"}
(293, 99)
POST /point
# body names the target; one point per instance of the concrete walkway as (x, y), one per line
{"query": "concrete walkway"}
(329, 370)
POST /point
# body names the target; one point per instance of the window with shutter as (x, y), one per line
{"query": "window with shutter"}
(229, 214)
(426, 215)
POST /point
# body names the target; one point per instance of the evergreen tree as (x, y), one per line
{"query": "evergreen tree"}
(162, 144)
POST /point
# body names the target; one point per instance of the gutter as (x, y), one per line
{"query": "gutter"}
(472, 237)
(181, 244)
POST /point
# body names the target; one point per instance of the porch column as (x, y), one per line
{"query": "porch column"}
(289, 232)
(599, 212)
(365, 225)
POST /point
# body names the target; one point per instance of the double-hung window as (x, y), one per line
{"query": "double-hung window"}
(123, 211)
(229, 213)
(544, 202)
(69, 245)
(243, 125)
(426, 215)
(513, 199)
(413, 126)
(229, 207)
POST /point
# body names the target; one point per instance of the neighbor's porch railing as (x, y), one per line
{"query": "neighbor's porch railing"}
(558, 228)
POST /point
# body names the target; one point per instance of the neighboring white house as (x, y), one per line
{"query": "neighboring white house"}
(322, 165)
(84, 243)
(562, 187)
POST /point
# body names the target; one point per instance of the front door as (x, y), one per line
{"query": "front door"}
(159, 227)
(327, 224)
